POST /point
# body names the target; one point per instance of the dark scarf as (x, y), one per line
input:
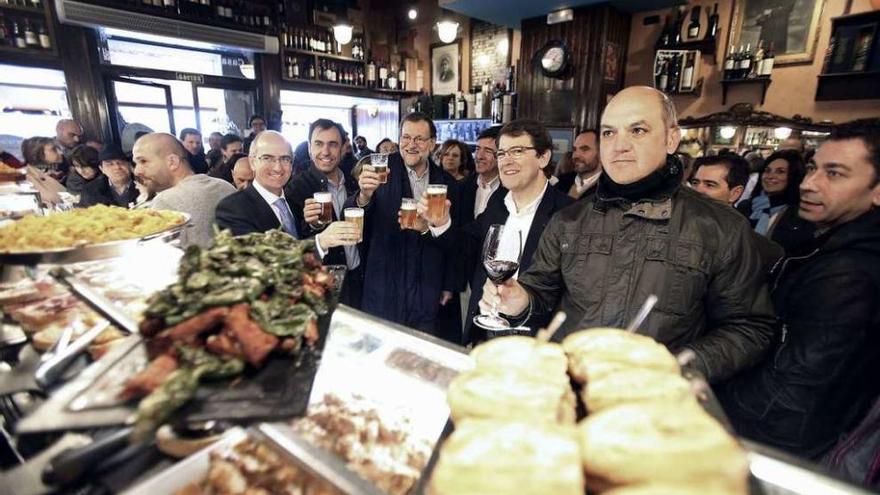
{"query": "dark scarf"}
(658, 185)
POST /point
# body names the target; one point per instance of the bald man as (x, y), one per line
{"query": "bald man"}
(642, 233)
(162, 166)
(242, 173)
(68, 134)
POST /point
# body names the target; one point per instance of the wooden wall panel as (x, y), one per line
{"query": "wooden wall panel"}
(595, 34)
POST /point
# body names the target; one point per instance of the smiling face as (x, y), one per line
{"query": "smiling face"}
(774, 180)
(634, 138)
(416, 143)
(484, 156)
(271, 159)
(517, 174)
(840, 185)
(325, 149)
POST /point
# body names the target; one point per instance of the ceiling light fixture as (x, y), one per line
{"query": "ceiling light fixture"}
(342, 31)
(447, 30)
(782, 132)
(728, 132)
(412, 14)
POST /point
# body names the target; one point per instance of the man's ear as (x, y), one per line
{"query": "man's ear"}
(736, 193)
(673, 137)
(875, 195)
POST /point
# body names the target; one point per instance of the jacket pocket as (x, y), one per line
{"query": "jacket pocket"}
(679, 278)
(585, 261)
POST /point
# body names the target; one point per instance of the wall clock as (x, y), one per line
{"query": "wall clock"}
(553, 59)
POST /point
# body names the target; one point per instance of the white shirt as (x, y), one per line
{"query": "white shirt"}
(582, 184)
(484, 193)
(520, 221)
(270, 198)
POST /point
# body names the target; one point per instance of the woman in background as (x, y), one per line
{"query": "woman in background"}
(453, 156)
(42, 156)
(85, 168)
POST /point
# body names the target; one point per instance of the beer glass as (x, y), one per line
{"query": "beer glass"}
(379, 162)
(408, 213)
(356, 216)
(436, 202)
(324, 199)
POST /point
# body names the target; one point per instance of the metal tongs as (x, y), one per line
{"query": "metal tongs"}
(65, 352)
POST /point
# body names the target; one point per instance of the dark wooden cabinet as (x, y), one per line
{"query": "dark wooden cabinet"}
(851, 70)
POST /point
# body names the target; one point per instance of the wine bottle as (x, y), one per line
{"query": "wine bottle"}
(30, 36)
(5, 38)
(767, 63)
(383, 75)
(665, 35)
(18, 35)
(401, 78)
(745, 62)
(687, 74)
(461, 106)
(729, 64)
(758, 61)
(676, 30)
(450, 107)
(674, 75)
(694, 26)
(712, 28)
(663, 76)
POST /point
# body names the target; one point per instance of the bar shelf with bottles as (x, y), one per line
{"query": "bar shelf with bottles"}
(677, 72)
(25, 28)
(307, 67)
(697, 35)
(320, 41)
(746, 67)
(252, 16)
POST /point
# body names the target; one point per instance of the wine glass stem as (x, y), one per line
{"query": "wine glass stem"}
(495, 301)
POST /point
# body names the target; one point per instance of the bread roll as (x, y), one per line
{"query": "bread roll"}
(666, 489)
(664, 443)
(511, 394)
(485, 457)
(601, 351)
(523, 353)
(635, 385)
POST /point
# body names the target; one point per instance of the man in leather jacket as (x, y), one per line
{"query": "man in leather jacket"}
(642, 233)
(823, 373)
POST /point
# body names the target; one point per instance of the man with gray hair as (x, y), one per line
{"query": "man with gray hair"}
(162, 166)
(642, 233)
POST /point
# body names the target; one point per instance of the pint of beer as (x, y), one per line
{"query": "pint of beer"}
(436, 202)
(408, 214)
(379, 162)
(356, 216)
(324, 199)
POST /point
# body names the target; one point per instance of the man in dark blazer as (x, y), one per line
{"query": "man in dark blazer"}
(406, 274)
(585, 157)
(325, 175)
(477, 188)
(524, 148)
(263, 206)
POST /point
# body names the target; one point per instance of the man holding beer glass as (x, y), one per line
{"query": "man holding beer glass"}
(407, 276)
(526, 206)
(321, 191)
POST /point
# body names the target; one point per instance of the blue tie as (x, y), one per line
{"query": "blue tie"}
(286, 217)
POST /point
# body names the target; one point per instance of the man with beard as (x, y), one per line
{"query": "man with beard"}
(214, 155)
(360, 143)
(325, 175)
(822, 377)
(407, 275)
(642, 233)
(524, 151)
(162, 166)
(585, 158)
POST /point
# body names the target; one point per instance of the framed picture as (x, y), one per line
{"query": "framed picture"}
(791, 26)
(563, 141)
(446, 68)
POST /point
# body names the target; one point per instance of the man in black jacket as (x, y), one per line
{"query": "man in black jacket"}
(825, 370)
(642, 233)
(525, 209)
(477, 188)
(192, 141)
(324, 175)
(585, 157)
(263, 205)
(115, 187)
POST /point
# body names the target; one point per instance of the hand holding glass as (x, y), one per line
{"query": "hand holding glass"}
(501, 255)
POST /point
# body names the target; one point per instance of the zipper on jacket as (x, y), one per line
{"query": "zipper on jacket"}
(784, 262)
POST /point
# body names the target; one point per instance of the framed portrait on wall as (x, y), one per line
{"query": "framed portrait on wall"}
(791, 26)
(446, 68)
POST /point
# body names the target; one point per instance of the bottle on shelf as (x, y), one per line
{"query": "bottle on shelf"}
(745, 62)
(5, 38)
(30, 35)
(687, 73)
(665, 35)
(383, 76)
(766, 66)
(450, 107)
(18, 35)
(401, 78)
(675, 38)
(371, 74)
(757, 61)
(674, 81)
(712, 28)
(312, 70)
(45, 42)
(729, 64)
(693, 30)
(497, 104)
(510, 80)
(461, 107)
(662, 77)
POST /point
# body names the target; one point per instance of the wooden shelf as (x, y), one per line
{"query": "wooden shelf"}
(763, 81)
(323, 83)
(401, 92)
(707, 46)
(22, 10)
(323, 55)
(848, 86)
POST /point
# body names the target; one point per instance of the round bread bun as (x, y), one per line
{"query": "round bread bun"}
(659, 443)
(666, 489)
(510, 394)
(635, 385)
(521, 352)
(486, 457)
(599, 351)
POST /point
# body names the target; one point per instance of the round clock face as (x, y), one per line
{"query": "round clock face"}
(553, 59)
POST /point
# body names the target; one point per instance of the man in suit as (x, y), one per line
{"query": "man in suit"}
(585, 158)
(263, 205)
(477, 188)
(524, 150)
(406, 274)
(324, 175)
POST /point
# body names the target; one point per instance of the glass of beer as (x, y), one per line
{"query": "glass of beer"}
(379, 162)
(356, 216)
(436, 202)
(324, 199)
(408, 213)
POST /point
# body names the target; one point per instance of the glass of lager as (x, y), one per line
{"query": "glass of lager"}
(408, 213)
(436, 202)
(379, 162)
(324, 199)
(356, 216)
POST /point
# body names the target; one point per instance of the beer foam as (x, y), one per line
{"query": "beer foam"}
(323, 197)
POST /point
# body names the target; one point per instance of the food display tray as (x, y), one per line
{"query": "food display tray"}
(89, 252)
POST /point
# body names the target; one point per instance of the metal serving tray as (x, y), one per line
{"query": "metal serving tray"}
(89, 252)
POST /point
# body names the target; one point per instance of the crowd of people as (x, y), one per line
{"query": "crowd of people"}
(768, 277)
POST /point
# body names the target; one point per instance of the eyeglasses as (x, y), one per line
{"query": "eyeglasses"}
(515, 153)
(285, 160)
(419, 140)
